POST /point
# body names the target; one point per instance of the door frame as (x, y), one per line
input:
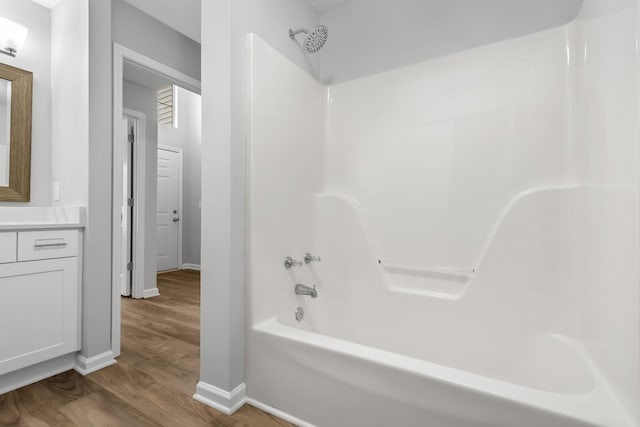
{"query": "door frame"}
(137, 232)
(126, 219)
(180, 153)
(122, 54)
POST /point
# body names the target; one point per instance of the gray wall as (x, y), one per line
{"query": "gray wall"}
(164, 45)
(96, 296)
(188, 137)
(372, 36)
(143, 99)
(193, 185)
(224, 89)
(140, 32)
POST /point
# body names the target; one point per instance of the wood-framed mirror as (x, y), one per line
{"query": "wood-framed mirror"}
(16, 88)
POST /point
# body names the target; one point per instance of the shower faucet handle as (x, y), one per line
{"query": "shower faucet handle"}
(290, 262)
(308, 258)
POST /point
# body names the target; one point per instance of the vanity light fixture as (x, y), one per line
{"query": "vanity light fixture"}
(12, 37)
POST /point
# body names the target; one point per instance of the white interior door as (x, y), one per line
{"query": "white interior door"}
(168, 215)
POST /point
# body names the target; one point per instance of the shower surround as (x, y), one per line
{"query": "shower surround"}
(477, 220)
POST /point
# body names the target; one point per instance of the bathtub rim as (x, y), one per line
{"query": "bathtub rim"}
(586, 407)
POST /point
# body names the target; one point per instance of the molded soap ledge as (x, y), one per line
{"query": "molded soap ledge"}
(20, 218)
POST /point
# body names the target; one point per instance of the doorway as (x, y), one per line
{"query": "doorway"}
(135, 253)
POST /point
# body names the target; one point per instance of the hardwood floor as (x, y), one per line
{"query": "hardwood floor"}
(153, 381)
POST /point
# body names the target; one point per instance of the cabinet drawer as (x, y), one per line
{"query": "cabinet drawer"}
(36, 245)
(8, 241)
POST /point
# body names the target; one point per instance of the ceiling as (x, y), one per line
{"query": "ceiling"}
(47, 3)
(373, 36)
(181, 15)
(184, 15)
(324, 5)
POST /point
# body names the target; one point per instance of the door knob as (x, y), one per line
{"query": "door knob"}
(175, 211)
(176, 219)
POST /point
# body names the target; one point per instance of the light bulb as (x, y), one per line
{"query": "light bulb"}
(12, 36)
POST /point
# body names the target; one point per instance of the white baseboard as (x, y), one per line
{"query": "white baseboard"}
(86, 366)
(150, 293)
(32, 374)
(278, 413)
(190, 267)
(221, 400)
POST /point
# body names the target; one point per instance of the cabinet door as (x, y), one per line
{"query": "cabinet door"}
(39, 312)
(8, 246)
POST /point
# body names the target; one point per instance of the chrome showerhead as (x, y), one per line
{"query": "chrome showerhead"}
(315, 38)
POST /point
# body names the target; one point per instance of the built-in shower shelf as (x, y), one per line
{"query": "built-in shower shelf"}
(433, 281)
(453, 272)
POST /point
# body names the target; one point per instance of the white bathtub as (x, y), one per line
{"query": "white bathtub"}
(526, 317)
(328, 381)
(503, 350)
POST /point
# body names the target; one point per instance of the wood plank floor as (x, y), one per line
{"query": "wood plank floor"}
(153, 381)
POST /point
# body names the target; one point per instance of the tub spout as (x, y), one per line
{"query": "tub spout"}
(306, 290)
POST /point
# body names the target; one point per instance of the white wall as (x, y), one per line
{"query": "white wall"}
(515, 128)
(372, 36)
(285, 159)
(454, 139)
(435, 151)
(35, 56)
(56, 51)
(607, 156)
(606, 100)
(188, 137)
(70, 94)
(77, 78)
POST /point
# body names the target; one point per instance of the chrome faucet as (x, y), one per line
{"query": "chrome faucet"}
(308, 258)
(306, 290)
(290, 262)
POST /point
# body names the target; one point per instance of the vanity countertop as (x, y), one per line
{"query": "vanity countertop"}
(42, 218)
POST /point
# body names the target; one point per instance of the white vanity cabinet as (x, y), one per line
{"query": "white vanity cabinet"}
(40, 296)
(8, 244)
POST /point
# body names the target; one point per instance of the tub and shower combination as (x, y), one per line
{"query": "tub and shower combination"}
(476, 218)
